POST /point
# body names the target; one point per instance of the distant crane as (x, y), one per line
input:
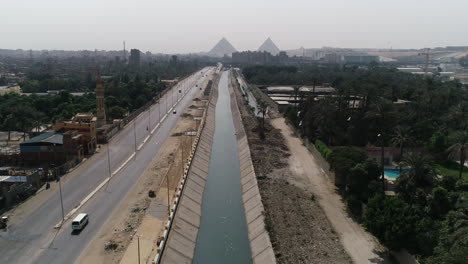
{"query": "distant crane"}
(427, 54)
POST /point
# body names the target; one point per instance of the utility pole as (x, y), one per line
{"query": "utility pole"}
(61, 200)
(149, 119)
(191, 139)
(168, 195)
(182, 150)
(108, 164)
(134, 136)
(159, 110)
(138, 239)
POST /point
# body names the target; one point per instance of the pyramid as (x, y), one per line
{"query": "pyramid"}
(223, 47)
(269, 46)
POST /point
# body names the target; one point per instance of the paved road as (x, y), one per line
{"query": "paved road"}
(29, 240)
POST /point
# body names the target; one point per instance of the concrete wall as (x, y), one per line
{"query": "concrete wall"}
(260, 244)
(181, 242)
(180, 246)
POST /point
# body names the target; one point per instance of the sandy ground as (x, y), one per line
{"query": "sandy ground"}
(138, 215)
(309, 175)
(299, 229)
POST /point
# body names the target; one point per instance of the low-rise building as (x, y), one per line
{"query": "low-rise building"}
(85, 124)
(52, 148)
(10, 89)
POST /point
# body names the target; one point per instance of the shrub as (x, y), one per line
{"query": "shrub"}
(322, 148)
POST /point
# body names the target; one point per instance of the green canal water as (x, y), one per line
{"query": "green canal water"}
(222, 237)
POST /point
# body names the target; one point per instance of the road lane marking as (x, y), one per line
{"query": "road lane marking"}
(143, 143)
(154, 129)
(74, 210)
(90, 195)
(123, 164)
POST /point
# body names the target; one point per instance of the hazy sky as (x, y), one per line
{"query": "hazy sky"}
(172, 26)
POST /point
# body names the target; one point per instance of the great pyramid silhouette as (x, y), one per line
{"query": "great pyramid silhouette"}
(223, 47)
(269, 46)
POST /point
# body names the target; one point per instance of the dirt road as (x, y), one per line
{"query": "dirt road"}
(310, 176)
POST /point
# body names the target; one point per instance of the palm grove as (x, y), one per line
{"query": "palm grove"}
(429, 215)
(126, 89)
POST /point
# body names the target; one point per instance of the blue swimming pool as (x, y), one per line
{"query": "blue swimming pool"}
(394, 173)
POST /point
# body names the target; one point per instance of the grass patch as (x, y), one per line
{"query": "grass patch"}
(450, 168)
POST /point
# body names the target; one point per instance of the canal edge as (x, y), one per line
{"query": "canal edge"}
(259, 239)
(182, 232)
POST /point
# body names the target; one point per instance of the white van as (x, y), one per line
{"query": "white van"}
(80, 221)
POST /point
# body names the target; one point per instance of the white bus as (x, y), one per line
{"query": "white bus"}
(80, 221)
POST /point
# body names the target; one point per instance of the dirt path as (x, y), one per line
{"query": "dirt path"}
(298, 228)
(307, 174)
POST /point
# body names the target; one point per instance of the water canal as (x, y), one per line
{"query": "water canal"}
(222, 237)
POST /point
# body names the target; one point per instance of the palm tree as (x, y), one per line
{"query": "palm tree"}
(459, 149)
(296, 93)
(9, 124)
(262, 109)
(421, 171)
(382, 113)
(323, 118)
(459, 115)
(401, 138)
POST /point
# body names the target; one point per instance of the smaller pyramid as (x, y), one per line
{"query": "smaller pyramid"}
(222, 48)
(269, 46)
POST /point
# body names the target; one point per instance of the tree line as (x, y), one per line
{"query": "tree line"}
(126, 90)
(430, 211)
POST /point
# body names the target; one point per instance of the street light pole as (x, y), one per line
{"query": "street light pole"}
(108, 164)
(134, 136)
(182, 150)
(168, 196)
(149, 119)
(61, 200)
(138, 239)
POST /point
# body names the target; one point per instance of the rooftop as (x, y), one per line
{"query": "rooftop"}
(279, 89)
(13, 179)
(47, 137)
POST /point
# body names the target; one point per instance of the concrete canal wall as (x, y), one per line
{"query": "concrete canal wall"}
(260, 244)
(181, 242)
(180, 246)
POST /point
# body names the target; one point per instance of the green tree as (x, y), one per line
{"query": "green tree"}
(262, 109)
(439, 202)
(459, 115)
(453, 242)
(421, 171)
(116, 112)
(391, 220)
(9, 123)
(342, 160)
(383, 114)
(459, 149)
(401, 137)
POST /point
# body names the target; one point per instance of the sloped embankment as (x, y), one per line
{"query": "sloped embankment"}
(298, 228)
